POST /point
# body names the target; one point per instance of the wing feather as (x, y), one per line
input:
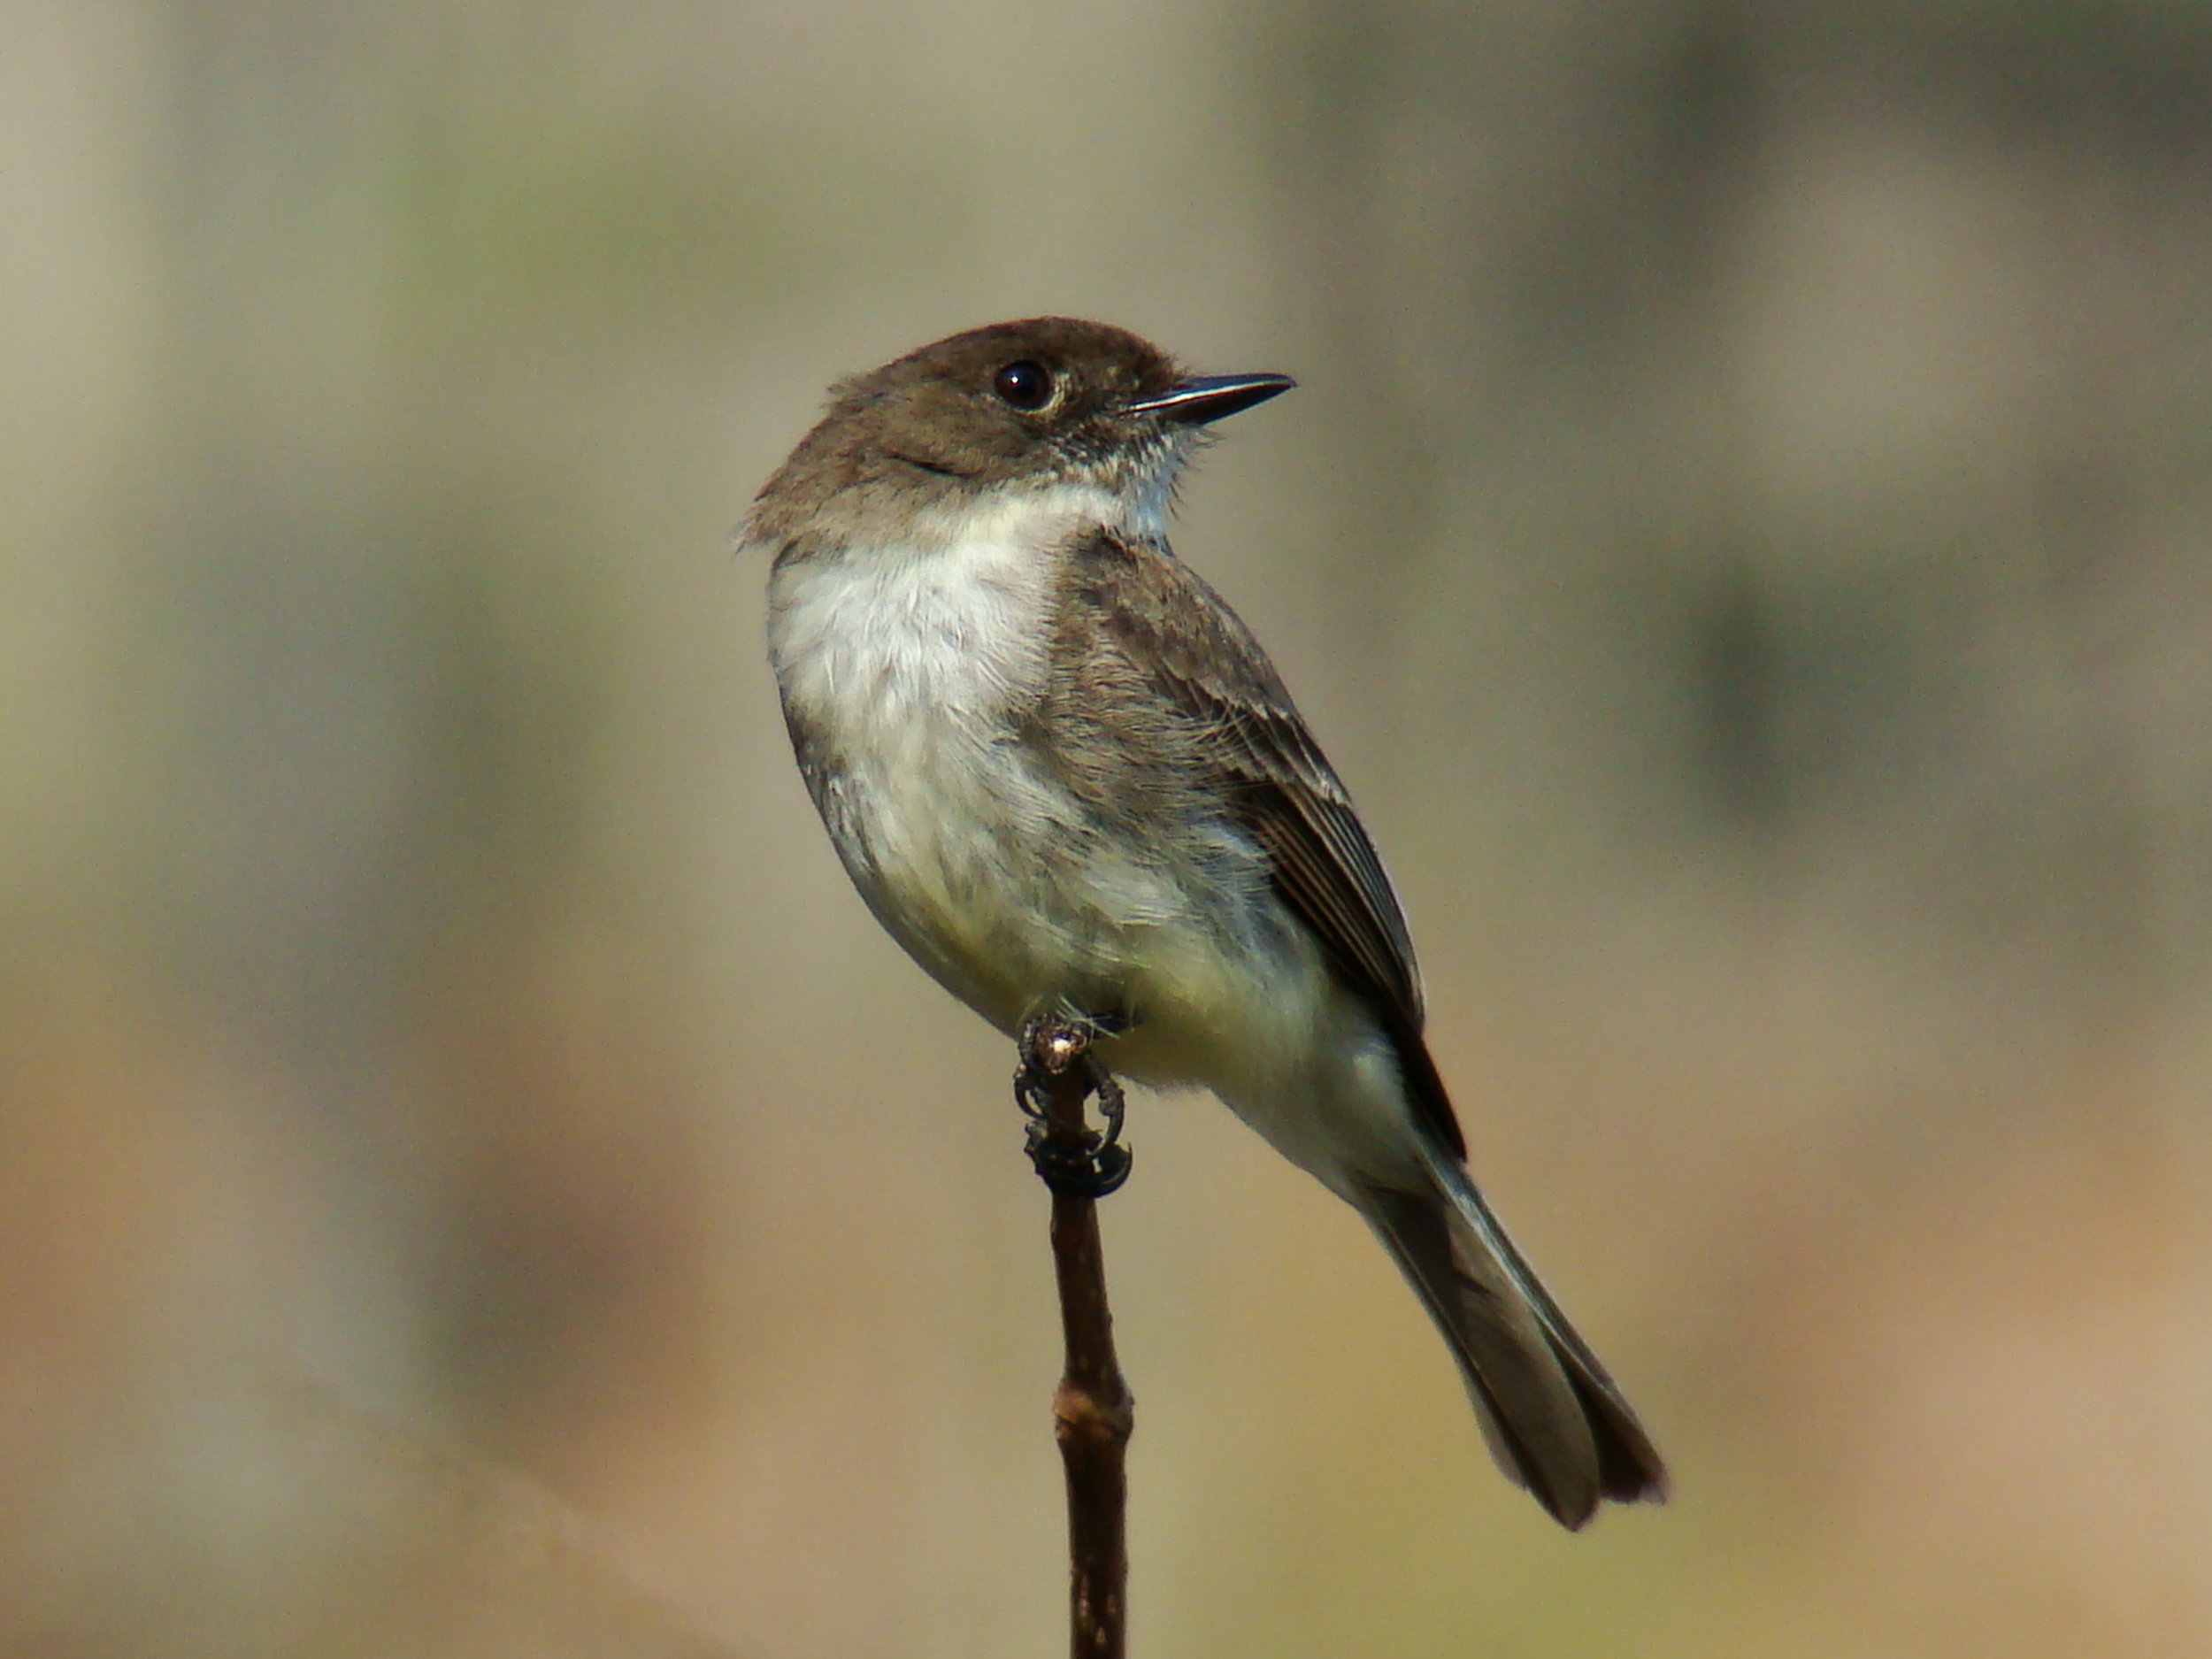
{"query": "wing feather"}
(1174, 629)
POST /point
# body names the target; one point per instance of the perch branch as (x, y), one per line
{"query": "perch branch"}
(1093, 1413)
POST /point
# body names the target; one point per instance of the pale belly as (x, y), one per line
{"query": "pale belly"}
(1030, 909)
(1020, 901)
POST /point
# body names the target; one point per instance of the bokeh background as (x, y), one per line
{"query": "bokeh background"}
(474, 1179)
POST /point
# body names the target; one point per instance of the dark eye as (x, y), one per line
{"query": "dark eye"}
(1026, 385)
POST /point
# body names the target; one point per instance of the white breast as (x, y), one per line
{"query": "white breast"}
(908, 665)
(878, 646)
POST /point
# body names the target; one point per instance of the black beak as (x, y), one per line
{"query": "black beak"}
(1206, 397)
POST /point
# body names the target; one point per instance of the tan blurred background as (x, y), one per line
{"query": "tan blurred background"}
(474, 1179)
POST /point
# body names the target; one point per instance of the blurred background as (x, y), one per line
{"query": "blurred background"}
(475, 1181)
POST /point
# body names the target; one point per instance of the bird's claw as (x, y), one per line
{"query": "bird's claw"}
(1071, 1156)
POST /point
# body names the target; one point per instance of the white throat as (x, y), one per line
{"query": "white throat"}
(1037, 521)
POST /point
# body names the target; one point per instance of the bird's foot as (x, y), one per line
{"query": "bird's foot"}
(1058, 1074)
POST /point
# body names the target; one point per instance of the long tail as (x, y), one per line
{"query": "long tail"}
(1555, 1421)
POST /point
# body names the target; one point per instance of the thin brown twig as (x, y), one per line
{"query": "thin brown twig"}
(1092, 1412)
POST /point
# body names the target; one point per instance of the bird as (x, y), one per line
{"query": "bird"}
(1065, 777)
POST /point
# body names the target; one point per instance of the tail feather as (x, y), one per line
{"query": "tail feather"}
(1553, 1419)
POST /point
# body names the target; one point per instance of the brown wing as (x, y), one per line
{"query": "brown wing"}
(1181, 635)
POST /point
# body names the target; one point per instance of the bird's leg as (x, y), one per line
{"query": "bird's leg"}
(1058, 1073)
